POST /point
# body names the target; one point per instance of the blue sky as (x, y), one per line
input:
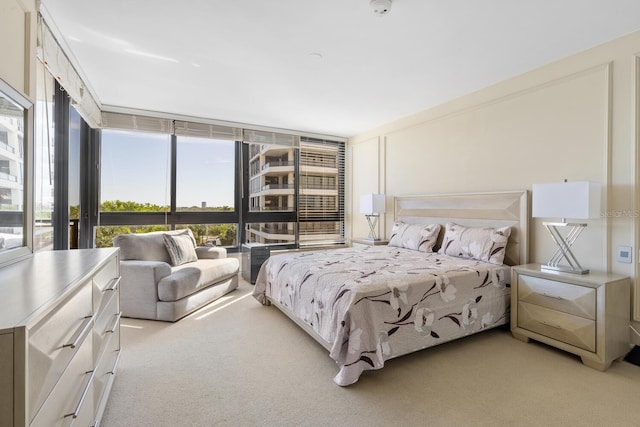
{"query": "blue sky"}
(135, 167)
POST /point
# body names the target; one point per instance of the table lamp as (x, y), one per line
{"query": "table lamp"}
(575, 200)
(372, 205)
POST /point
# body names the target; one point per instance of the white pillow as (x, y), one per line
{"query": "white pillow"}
(180, 247)
(482, 244)
(419, 237)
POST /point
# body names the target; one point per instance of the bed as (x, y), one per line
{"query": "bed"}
(444, 275)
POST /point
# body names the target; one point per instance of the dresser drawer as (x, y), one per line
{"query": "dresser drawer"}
(72, 397)
(106, 281)
(107, 323)
(106, 369)
(565, 297)
(574, 330)
(54, 341)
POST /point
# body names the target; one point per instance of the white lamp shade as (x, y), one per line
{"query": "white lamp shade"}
(372, 204)
(579, 200)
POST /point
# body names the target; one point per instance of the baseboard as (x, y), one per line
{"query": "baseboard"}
(634, 356)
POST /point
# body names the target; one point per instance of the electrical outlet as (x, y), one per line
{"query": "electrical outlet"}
(624, 254)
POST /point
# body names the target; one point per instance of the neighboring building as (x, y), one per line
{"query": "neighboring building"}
(11, 173)
(272, 187)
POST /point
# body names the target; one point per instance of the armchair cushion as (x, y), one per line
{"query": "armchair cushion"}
(188, 278)
(211, 252)
(181, 248)
(147, 246)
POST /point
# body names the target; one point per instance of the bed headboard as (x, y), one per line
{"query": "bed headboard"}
(499, 209)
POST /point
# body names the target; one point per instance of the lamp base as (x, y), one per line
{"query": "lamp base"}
(564, 269)
(372, 220)
(563, 249)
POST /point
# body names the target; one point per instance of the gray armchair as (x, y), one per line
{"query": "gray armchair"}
(152, 288)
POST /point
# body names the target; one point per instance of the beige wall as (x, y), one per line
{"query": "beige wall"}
(18, 45)
(573, 119)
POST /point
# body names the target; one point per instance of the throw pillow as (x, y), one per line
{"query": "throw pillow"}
(419, 237)
(482, 244)
(180, 247)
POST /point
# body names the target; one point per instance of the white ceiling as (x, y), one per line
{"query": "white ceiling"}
(254, 62)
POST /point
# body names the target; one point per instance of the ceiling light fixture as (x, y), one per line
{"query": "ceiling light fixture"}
(380, 7)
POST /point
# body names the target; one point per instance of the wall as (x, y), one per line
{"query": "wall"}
(18, 23)
(573, 119)
(18, 45)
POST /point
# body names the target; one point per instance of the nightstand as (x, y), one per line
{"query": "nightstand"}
(368, 242)
(253, 256)
(584, 314)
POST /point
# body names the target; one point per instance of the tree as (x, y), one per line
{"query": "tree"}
(204, 233)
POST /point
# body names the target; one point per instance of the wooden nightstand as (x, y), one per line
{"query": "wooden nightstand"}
(587, 315)
(368, 242)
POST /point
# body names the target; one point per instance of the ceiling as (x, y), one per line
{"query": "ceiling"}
(331, 67)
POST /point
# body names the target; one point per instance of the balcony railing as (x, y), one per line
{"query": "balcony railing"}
(278, 187)
(277, 163)
(8, 177)
(7, 147)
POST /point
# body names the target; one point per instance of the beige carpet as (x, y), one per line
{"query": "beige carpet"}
(237, 363)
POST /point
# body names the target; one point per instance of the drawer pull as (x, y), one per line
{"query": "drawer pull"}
(83, 333)
(75, 413)
(552, 296)
(113, 285)
(115, 364)
(551, 324)
(113, 327)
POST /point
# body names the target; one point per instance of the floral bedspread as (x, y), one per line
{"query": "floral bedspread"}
(375, 303)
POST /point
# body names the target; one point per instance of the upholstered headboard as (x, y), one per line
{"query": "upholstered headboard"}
(499, 209)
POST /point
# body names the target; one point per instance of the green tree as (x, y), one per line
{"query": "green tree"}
(204, 233)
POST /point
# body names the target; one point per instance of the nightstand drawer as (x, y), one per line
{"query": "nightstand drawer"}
(574, 330)
(565, 297)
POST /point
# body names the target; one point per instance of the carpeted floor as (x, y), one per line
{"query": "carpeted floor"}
(237, 363)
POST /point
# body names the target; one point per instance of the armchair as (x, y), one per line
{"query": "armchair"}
(154, 287)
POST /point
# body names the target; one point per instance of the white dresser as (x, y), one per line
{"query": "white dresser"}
(59, 337)
(585, 314)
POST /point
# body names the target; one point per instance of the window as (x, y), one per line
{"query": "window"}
(44, 161)
(205, 174)
(75, 124)
(321, 205)
(276, 189)
(213, 234)
(312, 188)
(15, 232)
(197, 178)
(135, 172)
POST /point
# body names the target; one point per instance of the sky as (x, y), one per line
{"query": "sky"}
(135, 166)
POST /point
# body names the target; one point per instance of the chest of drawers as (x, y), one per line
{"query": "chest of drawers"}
(59, 337)
(587, 315)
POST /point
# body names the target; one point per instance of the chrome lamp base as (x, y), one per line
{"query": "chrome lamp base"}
(372, 220)
(563, 250)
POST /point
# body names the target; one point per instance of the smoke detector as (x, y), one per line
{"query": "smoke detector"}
(380, 7)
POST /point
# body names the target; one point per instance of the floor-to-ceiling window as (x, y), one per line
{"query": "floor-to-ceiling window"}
(296, 193)
(153, 181)
(44, 164)
(75, 180)
(222, 184)
(135, 182)
(205, 187)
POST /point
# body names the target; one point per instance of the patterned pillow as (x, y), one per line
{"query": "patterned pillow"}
(418, 237)
(181, 248)
(482, 244)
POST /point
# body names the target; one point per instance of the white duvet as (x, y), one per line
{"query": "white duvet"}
(375, 303)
